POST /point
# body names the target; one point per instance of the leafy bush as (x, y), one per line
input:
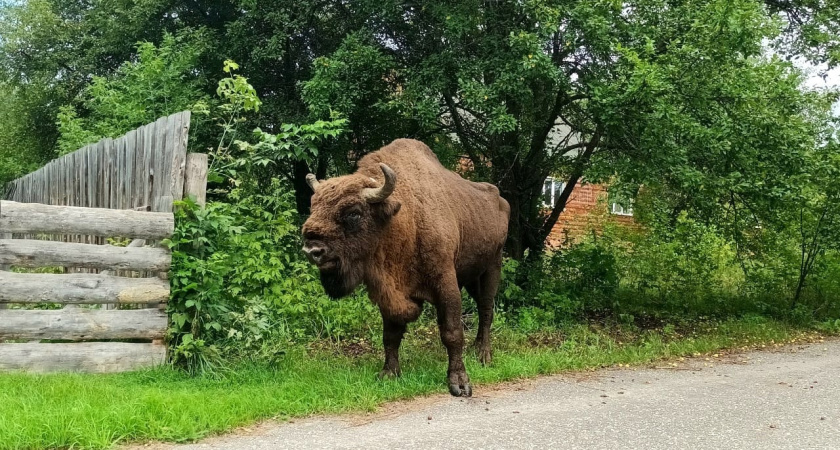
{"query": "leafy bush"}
(240, 284)
(239, 281)
(546, 299)
(160, 82)
(687, 270)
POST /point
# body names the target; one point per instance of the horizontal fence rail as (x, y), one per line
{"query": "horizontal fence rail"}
(80, 288)
(35, 218)
(32, 253)
(78, 324)
(94, 357)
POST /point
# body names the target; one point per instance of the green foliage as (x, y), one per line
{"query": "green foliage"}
(359, 83)
(813, 29)
(239, 161)
(240, 98)
(197, 308)
(18, 132)
(162, 81)
(239, 280)
(689, 271)
(731, 163)
(545, 302)
(238, 92)
(291, 143)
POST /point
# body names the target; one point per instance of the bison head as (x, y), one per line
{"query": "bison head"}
(348, 216)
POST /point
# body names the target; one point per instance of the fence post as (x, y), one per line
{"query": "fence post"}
(195, 178)
(4, 266)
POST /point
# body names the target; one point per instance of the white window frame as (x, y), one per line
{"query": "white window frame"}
(556, 186)
(620, 210)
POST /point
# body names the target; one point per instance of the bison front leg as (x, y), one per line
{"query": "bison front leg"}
(392, 335)
(452, 335)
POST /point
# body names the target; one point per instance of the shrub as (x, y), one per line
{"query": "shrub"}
(241, 284)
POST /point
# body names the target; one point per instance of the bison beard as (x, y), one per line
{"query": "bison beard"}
(334, 284)
(338, 282)
(418, 240)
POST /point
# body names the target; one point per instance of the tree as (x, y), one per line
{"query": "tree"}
(20, 116)
(674, 94)
(816, 217)
(64, 44)
(812, 29)
(163, 80)
(646, 92)
(359, 82)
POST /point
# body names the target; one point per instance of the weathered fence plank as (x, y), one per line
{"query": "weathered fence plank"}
(32, 253)
(78, 324)
(181, 126)
(195, 177)
(80, 289)
(148, 163)
(35, 218)
(92, 357)
(159, 161)
(142, 165)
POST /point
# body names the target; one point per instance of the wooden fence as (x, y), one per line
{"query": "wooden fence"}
(104, 190)
(145, 168)
(80, 324)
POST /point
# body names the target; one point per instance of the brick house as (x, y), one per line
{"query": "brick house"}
(588, 206)
(585, 208)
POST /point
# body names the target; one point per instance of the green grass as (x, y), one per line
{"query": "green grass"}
(96, 411)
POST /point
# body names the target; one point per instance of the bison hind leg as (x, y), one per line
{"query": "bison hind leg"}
(483, 290)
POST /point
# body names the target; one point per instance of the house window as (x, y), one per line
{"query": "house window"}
(551, 191)
(622, 210)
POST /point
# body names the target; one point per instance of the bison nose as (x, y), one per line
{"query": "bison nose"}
(315, 253)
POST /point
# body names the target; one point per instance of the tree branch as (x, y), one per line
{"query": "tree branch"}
(538, 140)
(460, 129)
(577, 173)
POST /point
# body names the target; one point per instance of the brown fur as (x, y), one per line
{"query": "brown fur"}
(434, 234)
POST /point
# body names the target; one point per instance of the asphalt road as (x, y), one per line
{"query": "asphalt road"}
(783, 399)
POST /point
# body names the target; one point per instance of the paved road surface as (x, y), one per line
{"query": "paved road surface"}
(784, 399)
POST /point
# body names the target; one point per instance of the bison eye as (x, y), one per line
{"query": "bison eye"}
(352, 220)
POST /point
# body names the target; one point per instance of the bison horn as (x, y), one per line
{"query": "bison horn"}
(312, 181)
(376, 195)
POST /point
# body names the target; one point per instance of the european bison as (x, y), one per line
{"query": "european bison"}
(412, 232)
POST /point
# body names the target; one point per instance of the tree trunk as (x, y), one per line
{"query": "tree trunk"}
(303, 193)
(516, 238)
(522, 190)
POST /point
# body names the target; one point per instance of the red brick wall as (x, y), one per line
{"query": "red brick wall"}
(587, 209)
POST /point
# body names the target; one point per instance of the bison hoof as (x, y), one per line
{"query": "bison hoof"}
(485, 356)
(459, 385)
(387, 374)
(460, 390)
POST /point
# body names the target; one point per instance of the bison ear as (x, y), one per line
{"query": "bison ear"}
(387, 209)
